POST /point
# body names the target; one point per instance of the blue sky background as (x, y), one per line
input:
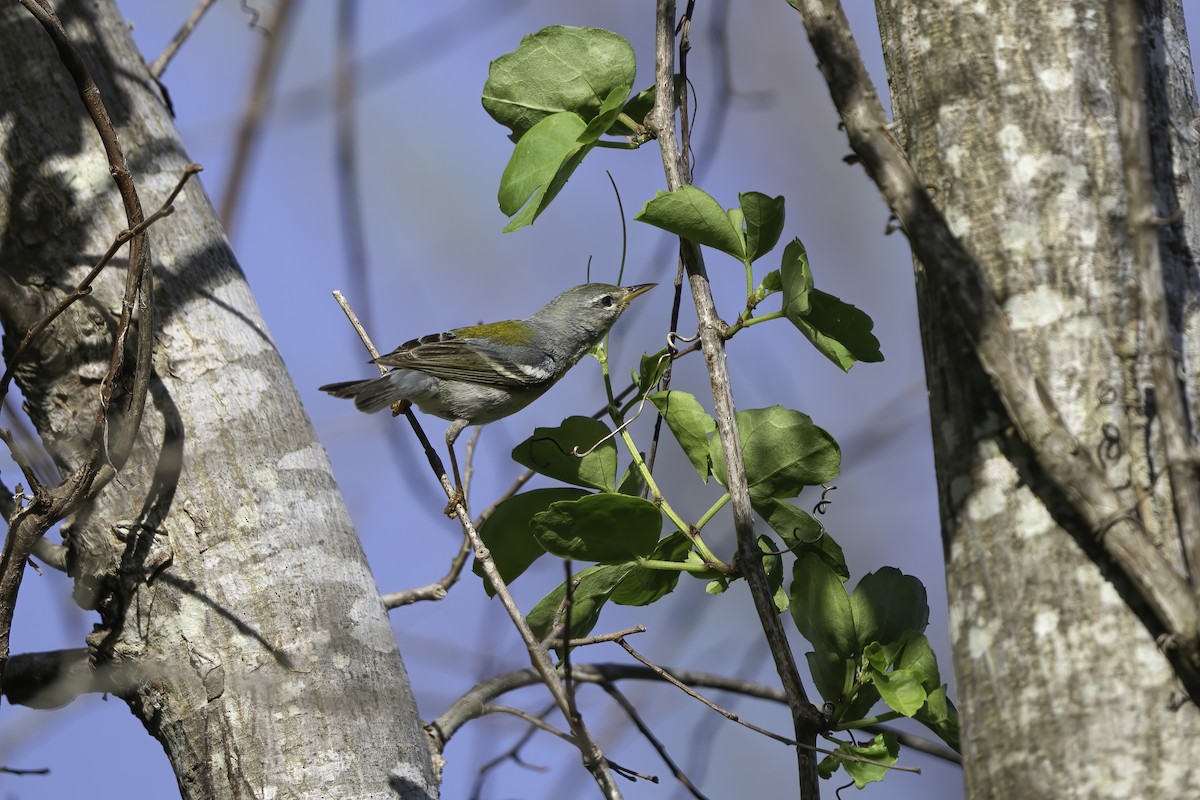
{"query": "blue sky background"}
(436, 259)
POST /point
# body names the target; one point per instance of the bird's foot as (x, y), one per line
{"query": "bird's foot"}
(456, 499)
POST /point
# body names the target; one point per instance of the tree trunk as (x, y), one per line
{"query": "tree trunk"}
(1008, 114)
(235, 601)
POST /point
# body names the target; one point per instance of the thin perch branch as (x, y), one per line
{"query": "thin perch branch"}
(806, 719)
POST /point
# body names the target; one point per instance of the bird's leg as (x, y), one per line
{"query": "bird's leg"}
(458, 497)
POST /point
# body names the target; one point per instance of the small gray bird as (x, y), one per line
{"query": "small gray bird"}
(481, 373)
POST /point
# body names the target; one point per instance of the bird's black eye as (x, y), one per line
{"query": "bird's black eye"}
(606, 301)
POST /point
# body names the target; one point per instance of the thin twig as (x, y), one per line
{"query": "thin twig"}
(512, 754)
(631, 711)
(690, 692)
(540, 724)
(599, 638)
(806, 719)
(160, 64)
(537, 723)
(108, 453)
(432, 591)
(253, 113)
(84, 287)
(349, 194)
(19, 771)
(593, 758)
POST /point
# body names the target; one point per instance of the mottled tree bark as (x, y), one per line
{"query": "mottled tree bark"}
(236, 607)
(1008, 113)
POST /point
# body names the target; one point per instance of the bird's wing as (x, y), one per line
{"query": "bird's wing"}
(450, 357)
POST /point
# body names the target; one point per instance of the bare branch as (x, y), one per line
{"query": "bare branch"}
(255, 110)
(805, 717)
(631, 711)
(160, 64)
(593, 759)
(108, 451)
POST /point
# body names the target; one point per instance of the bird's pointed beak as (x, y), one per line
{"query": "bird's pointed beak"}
(634, 291)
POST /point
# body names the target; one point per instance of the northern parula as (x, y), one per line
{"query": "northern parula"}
(481, 373)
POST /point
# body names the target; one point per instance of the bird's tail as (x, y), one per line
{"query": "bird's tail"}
(371, 395)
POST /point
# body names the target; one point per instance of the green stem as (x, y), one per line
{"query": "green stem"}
(710, 559)
(616, 145)
(673, 566)
(875, 720)
(712, 511)
(746, 322)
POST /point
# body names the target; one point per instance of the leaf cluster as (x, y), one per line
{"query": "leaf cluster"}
(560, 93)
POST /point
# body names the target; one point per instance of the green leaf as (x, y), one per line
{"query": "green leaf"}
(773, 565)
(594, 586)
(772, 282)
(797, 281)
(540, 165)
(866, 699)
(901, 689)
(610, 109)
(551, 452)
(940, 716)
(821, 607)
(764, 222)
(830, 673)
(799, 530)
(691, 213)
(917, 654)
(650, 370)
(690, 424)
(841, 332)
(878, 657)
(793, 525)
(783, 452)
(737, 220)
(886, 605)
(884, 750)
(508, 535)
(632, 481)
(558, 69)
(642, 586)
(599, 527)
(636, 108)
(716, 586)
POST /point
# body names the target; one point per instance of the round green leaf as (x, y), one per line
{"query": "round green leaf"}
(642, 586)
(559, 68)
(691, 213)
(592, 589)
(552, 452)
(888, 604)
(764, 222)
(821, 608)
(839, 331)
(796, 279)
(798, 529)
(901, 689)
(508, 535)
(599, 527)
(539, 167)
(690, 424)
(783, 451)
